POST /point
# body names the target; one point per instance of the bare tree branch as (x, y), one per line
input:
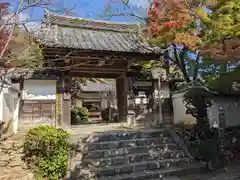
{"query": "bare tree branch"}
(11, 33)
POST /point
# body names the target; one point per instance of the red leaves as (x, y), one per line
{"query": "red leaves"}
(4, 5)
(172, 24)
(156, 4)
(229, 50)
(4, 35)
(168, 15)
(10, 65)
(4, 8)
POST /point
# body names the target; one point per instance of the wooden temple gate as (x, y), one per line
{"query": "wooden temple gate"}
(77, 47)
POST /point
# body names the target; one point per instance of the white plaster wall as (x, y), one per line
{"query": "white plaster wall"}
(16, 116)
(179, 110)
(39, 89)
(1, 106)
(9, 108)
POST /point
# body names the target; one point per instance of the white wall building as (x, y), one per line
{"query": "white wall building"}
(9, 107)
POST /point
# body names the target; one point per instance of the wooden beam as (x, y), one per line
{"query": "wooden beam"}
(94, 75)
(103, 71)
(93, 53)
(81, 57)
(107, 64)
(99, 68)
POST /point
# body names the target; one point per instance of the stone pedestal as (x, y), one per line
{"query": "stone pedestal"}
(131, 118)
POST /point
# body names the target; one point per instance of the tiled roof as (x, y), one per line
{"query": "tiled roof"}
(99, 87)
(71, 32)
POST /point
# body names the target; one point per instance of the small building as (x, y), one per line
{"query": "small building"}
(224, 108)
(95, 96)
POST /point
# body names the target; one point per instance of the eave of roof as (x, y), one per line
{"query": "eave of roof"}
(76, 33)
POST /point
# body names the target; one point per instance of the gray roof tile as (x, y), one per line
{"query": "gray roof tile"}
(99, 87)
(77, 33)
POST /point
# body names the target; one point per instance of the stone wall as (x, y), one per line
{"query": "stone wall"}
(11, 164)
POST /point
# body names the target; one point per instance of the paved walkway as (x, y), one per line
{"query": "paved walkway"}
(230, 173)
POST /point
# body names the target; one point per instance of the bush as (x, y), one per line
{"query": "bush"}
(47, 149)
(79, 115)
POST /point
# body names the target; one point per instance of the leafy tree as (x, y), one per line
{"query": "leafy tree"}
(222, 31)
(185, 29)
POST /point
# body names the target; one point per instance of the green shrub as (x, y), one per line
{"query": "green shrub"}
(79, 115)
(47, 149)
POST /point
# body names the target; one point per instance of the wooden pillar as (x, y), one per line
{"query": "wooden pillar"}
(63, 100)
(122, 101)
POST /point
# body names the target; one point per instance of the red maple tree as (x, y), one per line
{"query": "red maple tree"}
(166, 15)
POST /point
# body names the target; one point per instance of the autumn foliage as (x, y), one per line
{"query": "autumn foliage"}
(223, 39)
(163, 16)
(216, 34)
(169, 20)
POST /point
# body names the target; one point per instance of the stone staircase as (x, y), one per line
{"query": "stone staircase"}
(130, 155)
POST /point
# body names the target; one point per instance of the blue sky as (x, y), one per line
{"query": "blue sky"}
(93, 9)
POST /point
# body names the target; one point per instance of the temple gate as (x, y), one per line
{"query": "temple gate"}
(76, 47)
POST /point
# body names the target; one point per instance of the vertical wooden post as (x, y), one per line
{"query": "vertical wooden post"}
(63, 100)
(67, 100)
(122, 89)
(59, 98)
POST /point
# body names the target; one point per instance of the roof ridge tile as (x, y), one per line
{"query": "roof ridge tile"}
(89, 23)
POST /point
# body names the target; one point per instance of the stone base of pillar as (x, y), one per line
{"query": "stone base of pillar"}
(131, 119)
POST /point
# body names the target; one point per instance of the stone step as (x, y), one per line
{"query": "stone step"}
(132, 158)
(127, 135)
(158, 174)
(169, 178)
(141, 166)
(129, 143)
(130, 150)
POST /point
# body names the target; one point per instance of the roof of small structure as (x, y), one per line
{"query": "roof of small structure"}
(76, 33)
(99, 87)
